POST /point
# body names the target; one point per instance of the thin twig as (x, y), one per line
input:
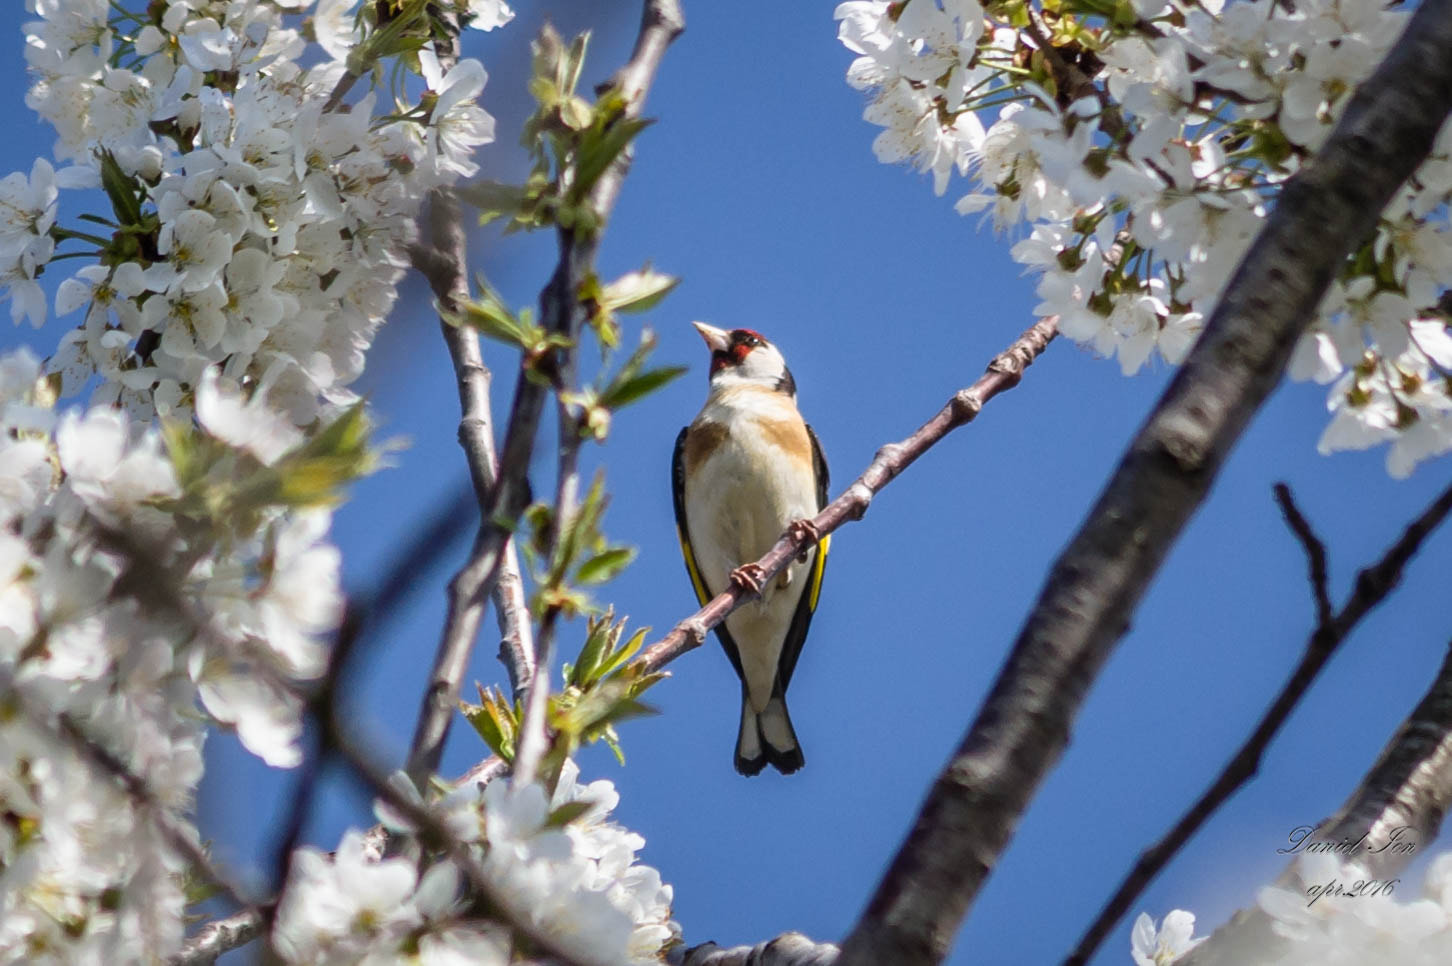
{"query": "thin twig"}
(533, 732)
(1373, 584)
(1003, 373)
(1315, 552)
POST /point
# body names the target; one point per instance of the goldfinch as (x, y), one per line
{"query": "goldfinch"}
(746, 469)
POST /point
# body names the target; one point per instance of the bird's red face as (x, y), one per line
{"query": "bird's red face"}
(744, 357)
(738, 346)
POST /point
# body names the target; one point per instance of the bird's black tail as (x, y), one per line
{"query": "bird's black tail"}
(767, 737)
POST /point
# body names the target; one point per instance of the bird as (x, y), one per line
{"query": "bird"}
(745, 470)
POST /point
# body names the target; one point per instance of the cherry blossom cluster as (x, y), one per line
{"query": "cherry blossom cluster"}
(1140, 144)
(1335, 914)
(255, 226)
(572, 883)
(164, 564)
(125, 610)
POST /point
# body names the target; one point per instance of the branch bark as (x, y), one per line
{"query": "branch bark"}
(1373, 585)
(1094, 586)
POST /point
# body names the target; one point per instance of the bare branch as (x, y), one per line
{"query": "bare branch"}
(560, 312)
(1325, 638)
(533, 732)
(1315, 552)
(1003, 373)
(1084, 608)
(1409, 788)
(444, 263)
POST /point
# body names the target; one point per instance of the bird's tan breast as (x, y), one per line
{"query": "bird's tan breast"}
(753, 418)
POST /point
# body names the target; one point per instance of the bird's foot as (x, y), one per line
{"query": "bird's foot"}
(806, 531)
(749, 577)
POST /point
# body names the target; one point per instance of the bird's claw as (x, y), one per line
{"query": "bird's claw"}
(807, 533)
(749, 577)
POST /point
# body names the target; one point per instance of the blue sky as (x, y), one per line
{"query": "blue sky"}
(758, 187)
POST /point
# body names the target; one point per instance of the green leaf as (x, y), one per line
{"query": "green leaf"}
(605, 566)
(490, 318)
(638, 291)
(121, 189)
(567, 813)
(495, 721)
(598, 152)
(612, 740)
(577, 113)
(619, 656)
(597, 641)
(626, 391)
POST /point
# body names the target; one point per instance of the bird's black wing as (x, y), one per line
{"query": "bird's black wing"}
(698, 582)
(796, 635)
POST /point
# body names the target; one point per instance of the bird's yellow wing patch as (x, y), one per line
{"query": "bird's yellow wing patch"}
(819, 566)
(697, 584)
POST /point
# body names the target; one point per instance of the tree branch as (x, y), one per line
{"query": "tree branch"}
(1315, 552)
(1003, 373)
(560, 313)
(533, 731)
(1373, 585)
(1085, 605)
(444, 262)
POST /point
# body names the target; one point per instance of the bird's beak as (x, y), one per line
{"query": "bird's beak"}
(717, 340)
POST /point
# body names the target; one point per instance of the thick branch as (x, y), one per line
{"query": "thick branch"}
(1372, 587)
(1331, 206)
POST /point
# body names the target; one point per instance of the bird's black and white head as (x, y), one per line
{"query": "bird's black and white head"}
(742, 357)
